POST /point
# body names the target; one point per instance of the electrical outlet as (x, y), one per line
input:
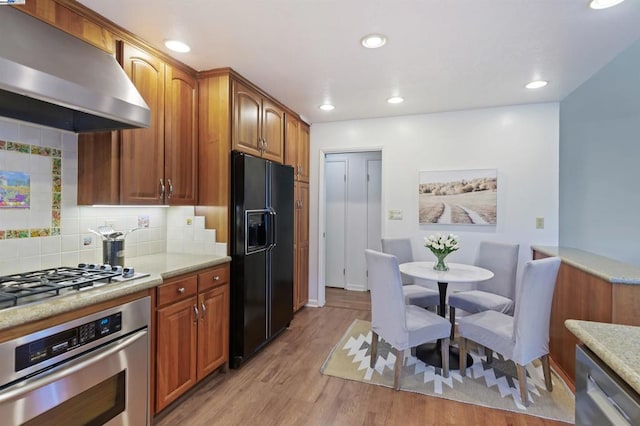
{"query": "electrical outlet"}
(539, 222)
(189, 221)
(143, 221)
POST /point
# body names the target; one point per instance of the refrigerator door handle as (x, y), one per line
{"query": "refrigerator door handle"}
(274, 227)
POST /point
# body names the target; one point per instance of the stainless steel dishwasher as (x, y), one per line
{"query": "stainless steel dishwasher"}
(602, 398)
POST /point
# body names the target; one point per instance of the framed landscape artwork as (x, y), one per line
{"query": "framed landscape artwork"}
(458, 197)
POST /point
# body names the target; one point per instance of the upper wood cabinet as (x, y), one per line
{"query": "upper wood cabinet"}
(66, 17)
(297, 147)
(156, 165)
(142, 153)
(181, 137)
(258, 124)
(233, 114)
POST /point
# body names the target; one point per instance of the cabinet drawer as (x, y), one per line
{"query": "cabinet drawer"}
(213, 277)
(177, 290)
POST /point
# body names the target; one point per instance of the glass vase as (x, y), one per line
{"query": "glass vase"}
(441, 265)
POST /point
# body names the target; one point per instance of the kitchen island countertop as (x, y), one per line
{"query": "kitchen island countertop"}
(159, 266)
(611, 270)
(616, 345)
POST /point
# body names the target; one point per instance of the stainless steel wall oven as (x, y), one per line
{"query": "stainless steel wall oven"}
(92, 370)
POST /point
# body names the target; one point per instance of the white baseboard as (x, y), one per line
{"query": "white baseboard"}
(355, 287)
(313, 303)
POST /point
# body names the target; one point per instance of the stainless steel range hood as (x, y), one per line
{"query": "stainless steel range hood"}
(52, 78)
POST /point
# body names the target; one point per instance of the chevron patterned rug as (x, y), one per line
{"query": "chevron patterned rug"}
(492, 385)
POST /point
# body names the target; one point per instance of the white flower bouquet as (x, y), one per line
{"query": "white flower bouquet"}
(441, 246)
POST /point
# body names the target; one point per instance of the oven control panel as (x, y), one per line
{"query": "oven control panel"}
(40, 350)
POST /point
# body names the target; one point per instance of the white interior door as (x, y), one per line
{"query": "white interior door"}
(374, 213)
(353, 216)
(335, 235)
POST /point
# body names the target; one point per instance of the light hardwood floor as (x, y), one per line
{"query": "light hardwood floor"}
(282, 385)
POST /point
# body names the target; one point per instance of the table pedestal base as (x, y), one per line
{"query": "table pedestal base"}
(430, 354)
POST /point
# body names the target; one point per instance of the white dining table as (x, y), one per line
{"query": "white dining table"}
(457, 273)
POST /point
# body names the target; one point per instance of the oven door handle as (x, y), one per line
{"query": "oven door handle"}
(71, 368)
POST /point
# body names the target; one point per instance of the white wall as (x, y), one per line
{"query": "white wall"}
(599, 152)
(521, 142)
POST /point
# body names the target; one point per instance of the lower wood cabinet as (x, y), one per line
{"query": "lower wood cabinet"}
(192, 331)
(581, 295)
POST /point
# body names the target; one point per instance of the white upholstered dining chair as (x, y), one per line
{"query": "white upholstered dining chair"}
(413, 294)
(523, 337)
(402, 326)
(498, 293)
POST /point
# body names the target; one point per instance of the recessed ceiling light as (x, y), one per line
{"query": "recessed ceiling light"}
(536, 84)
(327, 107)
(603, 4)
(395, 100)
(177, 46)
(373, 41)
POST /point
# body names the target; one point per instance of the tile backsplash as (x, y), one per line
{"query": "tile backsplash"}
(171, 229)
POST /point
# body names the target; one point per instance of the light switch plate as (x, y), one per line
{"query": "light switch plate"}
(539, 222)
(395, 214)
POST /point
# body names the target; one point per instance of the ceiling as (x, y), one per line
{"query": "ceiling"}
(440, 55)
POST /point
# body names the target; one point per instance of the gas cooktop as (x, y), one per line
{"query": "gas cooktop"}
(29, 287)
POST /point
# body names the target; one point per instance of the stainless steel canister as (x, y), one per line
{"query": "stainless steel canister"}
(113, 251)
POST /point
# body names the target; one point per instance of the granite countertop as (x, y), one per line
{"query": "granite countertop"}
(616, 345)
(159, 266)
(606, 268)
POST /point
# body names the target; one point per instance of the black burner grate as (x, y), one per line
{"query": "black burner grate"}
(32, 286)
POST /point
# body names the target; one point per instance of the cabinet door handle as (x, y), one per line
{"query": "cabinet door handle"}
(170, 188)
(181, 290)
(216, 277)
(195, 311)
(204, 309)
(161, 188)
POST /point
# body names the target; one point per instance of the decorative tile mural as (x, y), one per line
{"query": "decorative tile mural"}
(14, 190)
(23, 194)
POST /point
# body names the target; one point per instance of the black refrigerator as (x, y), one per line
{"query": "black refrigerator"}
(261, 253)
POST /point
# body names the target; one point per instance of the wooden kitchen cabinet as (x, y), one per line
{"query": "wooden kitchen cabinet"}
(142, 150)
(301, 246)
(176, 351)
(213, 330)
(581, 295)
(297, 147)
(232, 114)
(258, 124)
(192, 329)
(156, 165)
(69, 19)
(181, 137)
(297, 156)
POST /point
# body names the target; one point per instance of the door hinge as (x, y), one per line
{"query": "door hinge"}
(344, 272)
(368, 177)
(345, 178)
